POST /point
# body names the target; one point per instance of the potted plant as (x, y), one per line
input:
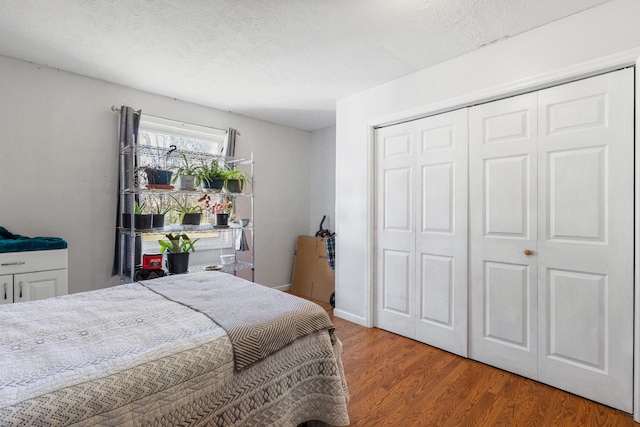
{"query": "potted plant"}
(221, 209)
(160, 209)
(235, 180)
(212, 176)
(187, 173)
(142, 220)
(177, 248)
(158, 178)
(189, 214)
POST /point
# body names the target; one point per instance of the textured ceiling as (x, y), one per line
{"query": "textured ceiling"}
(284, 61)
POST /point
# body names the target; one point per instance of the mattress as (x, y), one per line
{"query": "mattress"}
(128, 355)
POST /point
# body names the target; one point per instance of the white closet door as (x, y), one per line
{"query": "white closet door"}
(395, 229)
(503, 227)
(421, 230)
(441, 235)
(586, 238)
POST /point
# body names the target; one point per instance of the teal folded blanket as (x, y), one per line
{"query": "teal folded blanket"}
(10, 242)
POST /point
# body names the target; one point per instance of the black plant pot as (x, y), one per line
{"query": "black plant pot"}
(141, 221)
(178, 263)
(213, 185)
(222, 220)
(234, 186)
(158, 176)
(157, 221)
(191, 218)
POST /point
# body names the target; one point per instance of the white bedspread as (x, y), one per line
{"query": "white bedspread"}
(128, 356)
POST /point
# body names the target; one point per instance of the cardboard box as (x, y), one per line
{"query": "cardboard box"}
(312, 277)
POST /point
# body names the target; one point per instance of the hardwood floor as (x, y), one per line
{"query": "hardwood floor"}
(395, 381)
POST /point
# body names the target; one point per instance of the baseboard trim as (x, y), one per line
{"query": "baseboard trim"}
(359, 320)
(283, 288)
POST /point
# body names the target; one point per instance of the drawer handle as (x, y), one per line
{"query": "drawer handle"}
(13, 263)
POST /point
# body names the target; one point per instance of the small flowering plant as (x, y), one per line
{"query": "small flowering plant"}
(222, 207)
(219, 207)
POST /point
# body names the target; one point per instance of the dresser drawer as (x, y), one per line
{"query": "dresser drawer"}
(26, 262)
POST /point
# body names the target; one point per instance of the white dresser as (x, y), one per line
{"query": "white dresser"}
(33, 275)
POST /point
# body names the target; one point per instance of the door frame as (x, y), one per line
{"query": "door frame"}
(579, 71)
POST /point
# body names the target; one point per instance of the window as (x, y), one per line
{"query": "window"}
(159, 135)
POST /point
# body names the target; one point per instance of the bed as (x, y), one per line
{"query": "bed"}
(204, 349)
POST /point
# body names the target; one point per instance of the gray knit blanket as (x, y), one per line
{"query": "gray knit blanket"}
(259, 320)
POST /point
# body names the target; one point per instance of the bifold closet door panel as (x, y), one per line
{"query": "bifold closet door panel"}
(421, 230)
(585, 275)
(441, 231)
(503, 233)
(395, 229)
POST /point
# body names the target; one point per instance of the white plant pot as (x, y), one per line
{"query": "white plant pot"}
(227, 259)
(188, 182)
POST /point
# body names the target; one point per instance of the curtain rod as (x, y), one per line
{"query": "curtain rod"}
(117, 110)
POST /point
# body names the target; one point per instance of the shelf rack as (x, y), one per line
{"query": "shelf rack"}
(133, 186)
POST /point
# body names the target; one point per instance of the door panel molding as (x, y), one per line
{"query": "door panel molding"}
(507, 298)
(506, 208)
(578, 339)
(437, 289)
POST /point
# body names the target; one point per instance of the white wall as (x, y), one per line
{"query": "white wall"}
(605, 30)
(59, 157)
(322, 172)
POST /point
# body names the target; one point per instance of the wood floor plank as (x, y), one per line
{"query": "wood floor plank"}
(472, 414)
(395, 381)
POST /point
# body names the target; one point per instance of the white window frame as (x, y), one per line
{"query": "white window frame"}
(216, 136)
(178, 128)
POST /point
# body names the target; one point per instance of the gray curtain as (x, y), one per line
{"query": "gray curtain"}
(127, 136)
(231, 142)
(241, 242)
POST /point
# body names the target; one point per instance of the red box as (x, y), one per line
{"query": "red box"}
(152, 262)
